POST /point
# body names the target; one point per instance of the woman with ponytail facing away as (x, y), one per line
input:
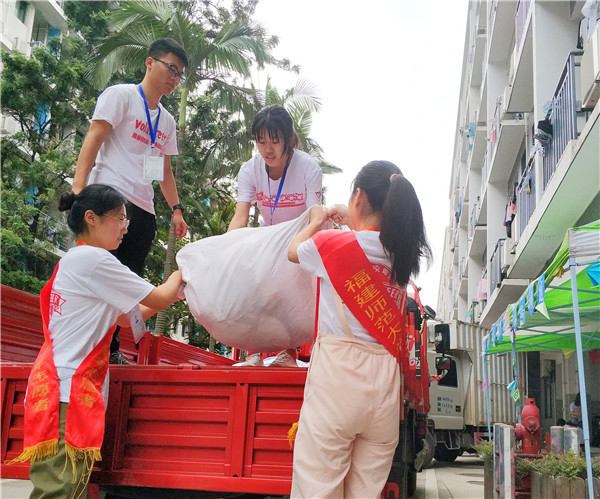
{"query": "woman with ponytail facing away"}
(88, 295)
(349, 421)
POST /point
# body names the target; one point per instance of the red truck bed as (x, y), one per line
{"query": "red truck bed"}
(213, 428)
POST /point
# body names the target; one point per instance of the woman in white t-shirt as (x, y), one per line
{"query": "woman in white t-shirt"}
(89, 293)
(349, 422)
(283, 181)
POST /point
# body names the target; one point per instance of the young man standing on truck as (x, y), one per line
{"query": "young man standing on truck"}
(128, 146)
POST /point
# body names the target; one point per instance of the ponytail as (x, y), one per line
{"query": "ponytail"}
(402, 228)
(96, 197)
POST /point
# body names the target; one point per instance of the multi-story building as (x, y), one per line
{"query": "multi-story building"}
(526, 167)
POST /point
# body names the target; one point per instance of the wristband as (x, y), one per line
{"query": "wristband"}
(178, 206)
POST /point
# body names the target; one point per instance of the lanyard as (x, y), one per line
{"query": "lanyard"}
(154, 130)
(272, 207)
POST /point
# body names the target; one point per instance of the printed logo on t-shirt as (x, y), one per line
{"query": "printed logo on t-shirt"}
(56, 303)
(142, 127)
(285, 200)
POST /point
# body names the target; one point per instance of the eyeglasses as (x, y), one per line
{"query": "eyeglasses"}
(124, 221)
(173, 70)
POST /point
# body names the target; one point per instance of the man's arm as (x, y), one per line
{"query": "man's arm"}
(169, 190)
(240, 217)
(99, 130)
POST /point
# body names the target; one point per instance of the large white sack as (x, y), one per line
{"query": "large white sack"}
(243, 289)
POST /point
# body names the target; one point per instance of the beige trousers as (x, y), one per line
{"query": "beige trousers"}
(349, 421)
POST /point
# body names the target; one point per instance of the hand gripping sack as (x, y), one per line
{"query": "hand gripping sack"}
(243, 289)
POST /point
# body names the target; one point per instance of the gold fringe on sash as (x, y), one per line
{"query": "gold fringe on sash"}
(88, 457)
(38, 452)
(292, 434)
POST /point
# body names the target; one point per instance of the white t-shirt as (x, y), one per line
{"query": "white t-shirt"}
(120, 160)
(310, 260)
(301, 188)
(91, 289)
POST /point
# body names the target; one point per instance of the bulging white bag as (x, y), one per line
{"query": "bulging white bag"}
(243, 289)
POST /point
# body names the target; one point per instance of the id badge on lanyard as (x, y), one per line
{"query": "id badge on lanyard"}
(154, 166)
(138, 326)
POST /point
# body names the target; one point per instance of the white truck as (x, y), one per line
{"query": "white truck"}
(458, 410)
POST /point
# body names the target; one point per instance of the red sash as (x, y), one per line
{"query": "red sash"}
(84, 427)
(362, 289)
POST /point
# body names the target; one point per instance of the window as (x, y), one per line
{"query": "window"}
(21, 11)
(451, 376)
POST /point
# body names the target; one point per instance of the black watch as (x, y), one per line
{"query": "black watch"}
(178, 206)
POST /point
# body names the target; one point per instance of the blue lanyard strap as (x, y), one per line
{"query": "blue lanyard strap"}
(272, 207)
(153, 131)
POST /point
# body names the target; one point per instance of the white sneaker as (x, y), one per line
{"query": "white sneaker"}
(284, 359)
(254, 360)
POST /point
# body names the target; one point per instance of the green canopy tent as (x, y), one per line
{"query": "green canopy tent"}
(558, 311)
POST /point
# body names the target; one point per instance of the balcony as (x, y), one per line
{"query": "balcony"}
(479, 132)
(507, 134)
(496, 265)
(52, 12)
(564, 116)
(526, 196)
(518, 96)
(521, 15)
(505, 291)
(499, 39)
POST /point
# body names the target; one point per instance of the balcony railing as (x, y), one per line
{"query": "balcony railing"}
(520, 20)
(496, 276)
(484, 175)
(526, 196)
(492, 15)
(495, 128)
(564, 116)
(473, 220)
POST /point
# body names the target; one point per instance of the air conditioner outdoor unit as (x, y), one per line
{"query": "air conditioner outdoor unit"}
(508, 257)
(590, 71)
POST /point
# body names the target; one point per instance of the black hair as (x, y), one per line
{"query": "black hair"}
(164, 46)
(402, 228)
(278, 123)
(99, 198)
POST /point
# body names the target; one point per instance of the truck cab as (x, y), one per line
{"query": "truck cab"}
(450, 373)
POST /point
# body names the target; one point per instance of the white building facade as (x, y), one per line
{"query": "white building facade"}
(526, 167)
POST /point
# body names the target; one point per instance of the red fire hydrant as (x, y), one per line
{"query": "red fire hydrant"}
(529, 430)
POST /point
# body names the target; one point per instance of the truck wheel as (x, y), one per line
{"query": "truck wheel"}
(411, 483)
(442, 453)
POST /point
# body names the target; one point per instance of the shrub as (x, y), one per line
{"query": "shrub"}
(485, 449)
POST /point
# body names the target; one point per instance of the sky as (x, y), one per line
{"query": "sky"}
(388, 76)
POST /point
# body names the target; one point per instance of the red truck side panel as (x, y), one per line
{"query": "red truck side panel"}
(13, 383)
(204, 429)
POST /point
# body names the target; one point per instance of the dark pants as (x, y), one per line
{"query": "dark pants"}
(134, 248)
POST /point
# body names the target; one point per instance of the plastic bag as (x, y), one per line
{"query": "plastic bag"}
(243, 289)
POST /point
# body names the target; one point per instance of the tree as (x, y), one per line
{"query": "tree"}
(49, 99)
(300, 102)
